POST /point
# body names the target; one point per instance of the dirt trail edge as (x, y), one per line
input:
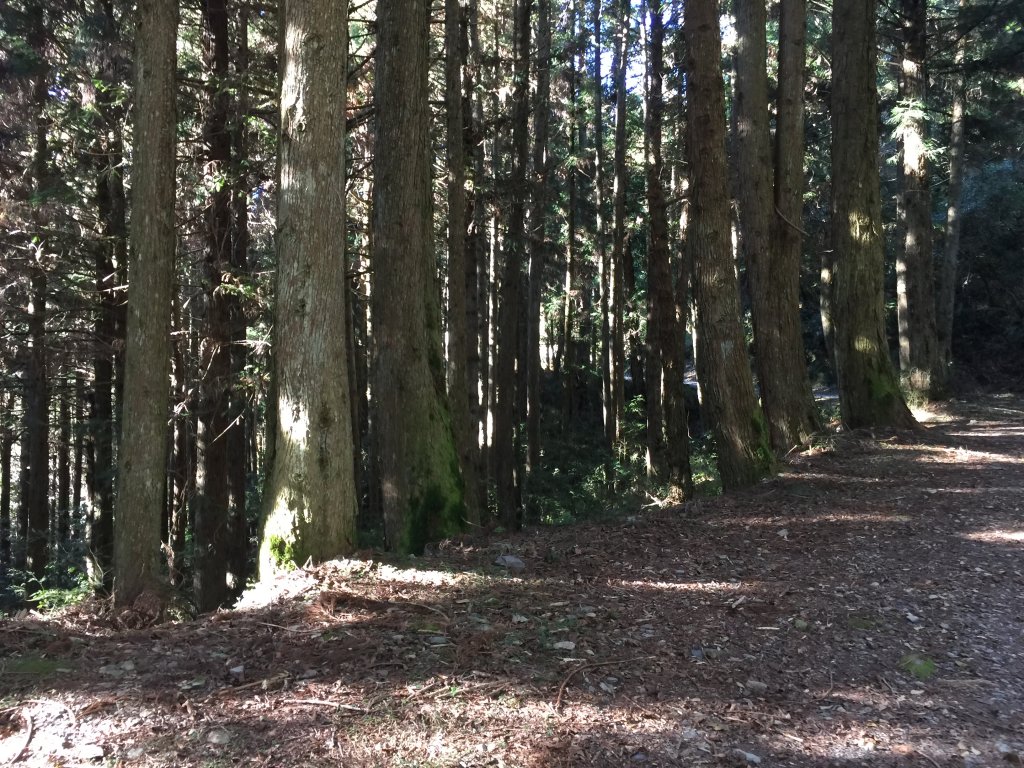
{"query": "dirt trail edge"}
(861, 609)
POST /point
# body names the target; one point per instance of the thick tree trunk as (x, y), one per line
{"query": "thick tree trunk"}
(64, 446)
(417, 460)
(6, 449)
(667, 437)
(575, 65)
(458, 331)
(310, 495)
(142, 470)
(915, 282)
(946, 284)
(869, 391)
(744, 455)
(507, 384)
(771, 242)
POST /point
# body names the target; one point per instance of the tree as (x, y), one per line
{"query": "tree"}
(417, 462)
(142, 471)
(771, 240)
(668, 440)
(310, 499)
(722, 367)
(919, 349)
(869, 391)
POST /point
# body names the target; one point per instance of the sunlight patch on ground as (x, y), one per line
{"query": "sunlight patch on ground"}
(997, 537)
(831, 517)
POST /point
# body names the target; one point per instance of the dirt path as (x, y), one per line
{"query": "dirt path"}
(862, 609)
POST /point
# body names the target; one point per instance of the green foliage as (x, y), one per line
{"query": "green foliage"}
(919, 666)
(283, 552)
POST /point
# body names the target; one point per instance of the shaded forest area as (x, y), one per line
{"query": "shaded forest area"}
(286, 282)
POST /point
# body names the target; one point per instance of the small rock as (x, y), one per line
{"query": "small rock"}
(218, 736)
(747, 757)
(756, 686)
(565, 645)
(802, 625)
(135, 753)
(518, 618)
(912, 618)
(308, 674)
(89, 752)
(511, 562)
(697, 654)
(238, 671)
(783, 534)
(128, 666)
(437, 640)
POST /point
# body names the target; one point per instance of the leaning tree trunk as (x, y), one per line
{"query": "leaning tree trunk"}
(744, 455)
(915, 283)
(420, 478)
(310, 495)
(771, 243)
(869, 391)
(142, 470)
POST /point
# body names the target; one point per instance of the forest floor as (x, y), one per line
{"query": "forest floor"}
(862, 608)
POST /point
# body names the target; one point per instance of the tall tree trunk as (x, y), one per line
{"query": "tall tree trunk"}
(458, 330)
(417, 458)
(946, 283)
(63, 469)
(771, 243)
(6, 449)
(476, 256)
(214, 407)
(744, 454)
(78, 462)
(143, 462)
(618, 275)
(601, 246)
(668, 439)
(310, 496)
(915, 282)
(575, 66)
(538, 229)
(506, 378)
(869, 391)
(35, 462)
(240, 413)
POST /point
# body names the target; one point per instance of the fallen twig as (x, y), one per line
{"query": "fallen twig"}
(929, 758)
(323, 703)
(594, 665)
(29, 727)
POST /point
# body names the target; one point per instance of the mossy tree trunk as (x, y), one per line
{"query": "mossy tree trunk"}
(310, 496)
(869, 391)
(421, 487)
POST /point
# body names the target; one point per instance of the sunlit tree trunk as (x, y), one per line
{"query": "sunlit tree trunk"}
(869, 391)
(728, 392)
(310, 496)
(915, 282)
(143, 467)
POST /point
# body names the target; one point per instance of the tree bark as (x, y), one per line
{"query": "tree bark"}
(667, 436)
(538, 229)
(310, 495)
(506, 378)
(771, 241)
(458, 328)
(946, 283)
(417, 459)
(618, 274)
(142, 470)
(915, 282)
(869, 391)
(740, 434)
(209, 575)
